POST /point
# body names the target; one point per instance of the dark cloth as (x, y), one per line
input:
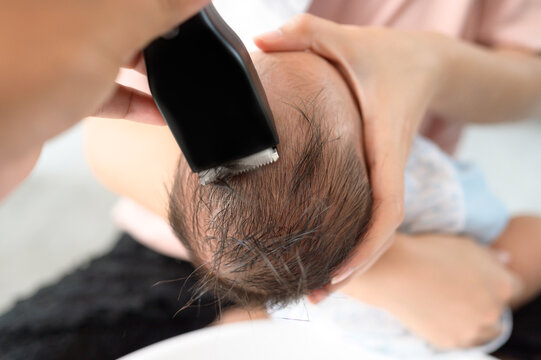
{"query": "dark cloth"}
(525, 341)
(112, 307)
(107, 309)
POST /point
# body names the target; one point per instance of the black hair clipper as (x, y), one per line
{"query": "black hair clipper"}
(207, 89)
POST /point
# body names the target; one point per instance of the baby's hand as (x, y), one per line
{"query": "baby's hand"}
(448, 290)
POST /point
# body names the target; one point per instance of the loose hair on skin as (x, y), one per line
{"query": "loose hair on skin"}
(271, 236)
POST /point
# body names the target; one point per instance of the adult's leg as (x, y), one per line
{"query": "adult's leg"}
(106, 309)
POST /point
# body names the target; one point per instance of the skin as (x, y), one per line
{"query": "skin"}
(430, 261)
(117, 151)
(139, 161)
(407, 281)
(520, 245)
(424, 281)
(522, 241)
(17, 168)
(399, 76)
(59, 62)
(81, 47)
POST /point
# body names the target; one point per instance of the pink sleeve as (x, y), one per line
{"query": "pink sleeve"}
(511, 23)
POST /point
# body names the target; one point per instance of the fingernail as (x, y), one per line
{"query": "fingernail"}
(271, 36)
(339, 278)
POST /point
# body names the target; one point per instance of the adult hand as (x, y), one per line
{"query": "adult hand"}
(59, 62)
(394, 75)
(60, 59)
(448, 290)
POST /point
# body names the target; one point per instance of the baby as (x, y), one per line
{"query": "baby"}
(271, 236)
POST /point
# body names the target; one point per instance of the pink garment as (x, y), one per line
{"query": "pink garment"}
(515, 23)
(511, 23)
(490, 22)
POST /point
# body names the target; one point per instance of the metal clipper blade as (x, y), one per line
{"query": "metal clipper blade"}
(240, 166)
(209, 93)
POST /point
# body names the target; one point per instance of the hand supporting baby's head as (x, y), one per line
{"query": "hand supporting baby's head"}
(275, 234)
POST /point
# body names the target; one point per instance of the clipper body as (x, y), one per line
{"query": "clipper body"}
(207, 89)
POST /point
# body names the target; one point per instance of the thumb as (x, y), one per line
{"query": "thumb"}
(322, 37)
(302, 32)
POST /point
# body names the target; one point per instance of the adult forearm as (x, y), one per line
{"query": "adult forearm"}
(59, 61)
(482, 85)
(27, 124)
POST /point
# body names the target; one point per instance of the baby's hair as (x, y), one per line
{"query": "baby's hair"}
(273, 235)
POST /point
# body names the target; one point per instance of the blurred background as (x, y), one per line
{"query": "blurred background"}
(54, 222)
(59, 218)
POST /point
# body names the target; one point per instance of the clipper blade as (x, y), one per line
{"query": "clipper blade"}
(240, 166)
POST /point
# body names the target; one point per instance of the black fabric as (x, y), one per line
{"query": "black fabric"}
(112, 307)
(525, 341)
(105, 310)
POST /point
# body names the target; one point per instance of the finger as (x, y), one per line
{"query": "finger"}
(133, 105)
(319, 295)
(323, 37)
(386, 166)
(377, 241)
(487, 334)
(137, 63)
(302, 32)
(386, 155)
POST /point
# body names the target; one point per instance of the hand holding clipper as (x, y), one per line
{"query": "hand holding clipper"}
(207, 89)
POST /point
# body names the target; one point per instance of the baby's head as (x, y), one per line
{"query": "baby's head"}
(272, 235)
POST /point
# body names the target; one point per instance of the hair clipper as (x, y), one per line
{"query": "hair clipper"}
(207, 89)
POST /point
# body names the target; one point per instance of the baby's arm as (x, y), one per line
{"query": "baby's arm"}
(522, 240)
(137, 161)
(133, 160)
